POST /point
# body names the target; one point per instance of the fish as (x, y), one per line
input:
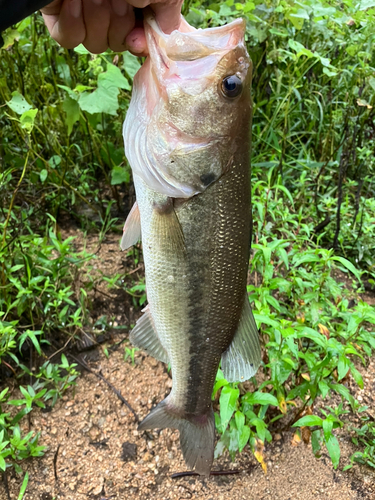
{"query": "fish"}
(187, 137)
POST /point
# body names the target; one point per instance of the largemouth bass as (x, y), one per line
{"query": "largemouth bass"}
(187, 139)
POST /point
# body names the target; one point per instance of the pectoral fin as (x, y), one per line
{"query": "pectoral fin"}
(145, 337)
(132, 228)
(242, 358)
(167, 228)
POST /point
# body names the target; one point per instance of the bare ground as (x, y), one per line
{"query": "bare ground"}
(94, 450)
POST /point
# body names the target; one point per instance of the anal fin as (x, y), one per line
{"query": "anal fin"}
(145, 337)
(243, 357)
(132, 228)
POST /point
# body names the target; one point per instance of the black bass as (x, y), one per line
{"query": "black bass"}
(187, 139)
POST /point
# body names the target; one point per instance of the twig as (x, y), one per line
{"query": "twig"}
(5, 481)
(177, 475)
(55, 462)
(136, 269)
(115, 346)
(111, 386)
(61, 349)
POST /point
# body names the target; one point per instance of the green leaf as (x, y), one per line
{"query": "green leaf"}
(315, 441)
(355, 373)
(113, 77)
(239, 418)
(348, 266)
(313, 335)
(220, 382)
(43, 175)
(131, 64)
(323, 386)
(119, 175)
(327, 428)
(343, 366)
(81, 49)
(18, 103)
(2, 463)
(27, 119)
(333, 448)
(261, 398)
(24, 486)
(309, 420)
(243, 437)
(104, 98)
(228, 401)
(261, 318)
(260, 426)
(71, 108)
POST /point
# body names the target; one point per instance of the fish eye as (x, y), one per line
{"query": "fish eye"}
(231, 86)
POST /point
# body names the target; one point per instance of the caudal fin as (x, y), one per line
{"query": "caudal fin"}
(197, 434)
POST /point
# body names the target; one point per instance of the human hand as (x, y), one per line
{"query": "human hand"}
(100, 24)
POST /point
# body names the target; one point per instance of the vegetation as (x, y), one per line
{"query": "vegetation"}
(314, 215)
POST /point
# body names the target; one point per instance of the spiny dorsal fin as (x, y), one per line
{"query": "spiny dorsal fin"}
(145, 337)
(243, 357)
(132, 228)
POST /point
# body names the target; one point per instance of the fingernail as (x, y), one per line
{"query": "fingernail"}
(119, 7)
(75, 8)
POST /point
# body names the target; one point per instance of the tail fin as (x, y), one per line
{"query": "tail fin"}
(197, 435)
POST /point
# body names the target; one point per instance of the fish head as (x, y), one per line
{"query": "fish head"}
(193, 99)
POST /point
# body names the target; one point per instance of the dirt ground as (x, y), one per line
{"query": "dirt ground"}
(94, 450)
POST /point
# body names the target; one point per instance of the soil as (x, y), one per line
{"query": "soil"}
(94, 450)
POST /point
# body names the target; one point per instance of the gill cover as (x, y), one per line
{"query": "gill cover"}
(179, 127)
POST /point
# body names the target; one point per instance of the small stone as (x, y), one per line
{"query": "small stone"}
(98, 489)
(129, 451)
(277, 437)
(54, 431)
(72, 486)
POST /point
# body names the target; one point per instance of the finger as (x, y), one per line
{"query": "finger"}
(66, 25)
(168, 14)
(136, 42)
(52, 8)
(121, 23)
(96, 14)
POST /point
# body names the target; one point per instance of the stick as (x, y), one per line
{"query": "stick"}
(111, 386)
(55, 462)
(5, 480)
(177, 475)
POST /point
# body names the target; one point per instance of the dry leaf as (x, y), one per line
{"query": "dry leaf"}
(323, 330)
(258, 454)
(306, 376)
(362, 102)
(282, 405)
(306, 434)
(296, 439)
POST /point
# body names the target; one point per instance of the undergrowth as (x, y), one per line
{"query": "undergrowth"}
(61, 151)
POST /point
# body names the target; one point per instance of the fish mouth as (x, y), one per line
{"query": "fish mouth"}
(188, 53)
